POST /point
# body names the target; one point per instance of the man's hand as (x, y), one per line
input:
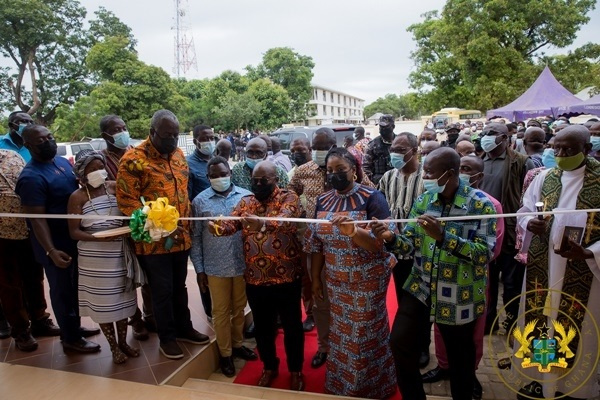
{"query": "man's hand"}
(381, 230)
(251, 223)
(575, 252)
(60, 258)
(317, 289)
(537, 226)
(177, 235)
(432, 227)
(345, 229)
(202, 280)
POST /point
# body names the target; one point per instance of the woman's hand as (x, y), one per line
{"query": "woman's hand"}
(345, 229)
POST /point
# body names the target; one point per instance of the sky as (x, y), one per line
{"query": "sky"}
(359, 47)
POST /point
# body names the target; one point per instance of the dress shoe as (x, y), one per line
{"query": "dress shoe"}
(477, 389)
(26, 342)
(4, 329)
(139, 330)
(82, 346)
(435, 375)
(194, 337)
(249, 332)
(86, 332)
(308, 324)
(45, 327)
(534, 390)
(423, 359)
(171, 350)
(227, 367)
(318, 359)
(267, 377)
(297, 381)
(244, 353)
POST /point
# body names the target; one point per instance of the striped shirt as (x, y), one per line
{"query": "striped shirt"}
(401, 190)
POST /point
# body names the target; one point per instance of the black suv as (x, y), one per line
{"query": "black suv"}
(288, 135)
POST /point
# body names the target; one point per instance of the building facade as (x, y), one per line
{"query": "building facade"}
(328, 106)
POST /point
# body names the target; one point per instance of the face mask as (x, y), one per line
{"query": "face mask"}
(262, 192)
(488, 143)
(339, 180)
(47, 150)
(595, 140)
(319, 156)
(299, 158)
(221, 184)
(548, 158)
(355, 136)
(432, 186)
(465, 179)
(519, 143)
(166, 145)
(206, 148)
(121, 140)
(97, 178)
(424, 141)
(20, 129)
(398, 160)
(569, 163)
(251, 162)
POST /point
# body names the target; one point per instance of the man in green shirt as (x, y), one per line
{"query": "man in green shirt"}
(448, 278)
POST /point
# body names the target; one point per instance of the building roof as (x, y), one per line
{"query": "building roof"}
(316, 86)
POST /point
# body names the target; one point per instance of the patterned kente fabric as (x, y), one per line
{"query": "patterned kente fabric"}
(452, 273)
(578, 276)
(360, 362)
(273, 256)
(144, 173)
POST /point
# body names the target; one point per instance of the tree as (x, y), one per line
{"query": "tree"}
(482, 54)
(46, 43)
(584, 60)
(291, 70)
(274, 104)
(398, 106)
(237, 110)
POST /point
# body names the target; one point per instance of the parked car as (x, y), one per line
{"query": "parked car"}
(98, 144)
(70, 150)
(288, 135)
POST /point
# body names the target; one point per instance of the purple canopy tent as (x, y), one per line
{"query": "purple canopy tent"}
(545, 93)
(590, 106)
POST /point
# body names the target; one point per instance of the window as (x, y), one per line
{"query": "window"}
(332, 97)
(344, 100)
(324, 110)
(339, 112)
(324, 95)
(338, 98)
(61, 150)
(354, 102)
(315, 95)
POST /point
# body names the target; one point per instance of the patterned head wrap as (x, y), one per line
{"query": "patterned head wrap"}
(83, 158)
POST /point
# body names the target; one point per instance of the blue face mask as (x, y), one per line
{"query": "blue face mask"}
(432, 186)
(251, 162)
(319, 156)
(121, 140)
(206, 148)
(465, 179)
(398, 161)
(488, 143)
(595, 140)
(548, 158)
(21, 129)
(221, 184)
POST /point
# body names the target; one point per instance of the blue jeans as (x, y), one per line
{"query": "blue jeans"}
(166, 276)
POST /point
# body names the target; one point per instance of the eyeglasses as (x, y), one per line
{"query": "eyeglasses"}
(490, 133)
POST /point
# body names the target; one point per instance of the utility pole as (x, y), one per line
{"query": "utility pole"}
(185, 52)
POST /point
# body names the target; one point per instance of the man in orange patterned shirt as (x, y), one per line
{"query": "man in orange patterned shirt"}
(157, 168)
(273, 270)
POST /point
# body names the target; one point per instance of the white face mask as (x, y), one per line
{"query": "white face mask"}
(319, 156)
(97, 178)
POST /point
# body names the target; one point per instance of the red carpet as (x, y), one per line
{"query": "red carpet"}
(314, 378)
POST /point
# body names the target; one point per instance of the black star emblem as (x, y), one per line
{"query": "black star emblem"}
(543, 331)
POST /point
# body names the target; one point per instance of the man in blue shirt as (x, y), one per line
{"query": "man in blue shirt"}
(45, 185)
(13, 140)
(219, 263)
(204, 139)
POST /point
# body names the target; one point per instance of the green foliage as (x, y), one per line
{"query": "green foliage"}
(584, 60)
(291, 70)
(482, 54)
(237, 110)
(399, 106)
(274, 104)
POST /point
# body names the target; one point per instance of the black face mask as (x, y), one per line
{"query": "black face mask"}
(262, 192)
(47, 150)
(339, 180)
(299, 159)
(165, 145)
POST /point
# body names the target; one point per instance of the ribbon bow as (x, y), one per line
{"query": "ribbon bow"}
(157, 219)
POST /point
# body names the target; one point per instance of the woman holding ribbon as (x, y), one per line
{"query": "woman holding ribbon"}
(357, 271)
(106, 294)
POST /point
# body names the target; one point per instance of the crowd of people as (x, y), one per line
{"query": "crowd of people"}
(446, 274)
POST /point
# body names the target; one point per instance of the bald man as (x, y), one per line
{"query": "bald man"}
(256, 151)
(568, 266)
(273, 276)
(427, 148)
(534, 143)
(452, 259)
(465, 147)
(224, 148)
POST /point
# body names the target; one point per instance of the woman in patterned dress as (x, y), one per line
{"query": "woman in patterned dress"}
(357, 271)
(102, 272)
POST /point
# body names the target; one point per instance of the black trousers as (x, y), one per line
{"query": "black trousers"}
(410, 318)
(21, 285)
(401, 271)
(512, 278)
(166, 276)
(460, 349)
(266, 303)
